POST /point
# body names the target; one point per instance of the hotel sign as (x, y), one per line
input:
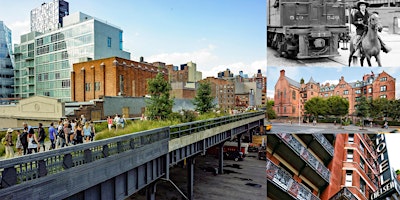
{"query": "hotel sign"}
(385, 174)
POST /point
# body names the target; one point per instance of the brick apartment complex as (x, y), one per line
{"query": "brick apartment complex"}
(291, 95)
(112, 76)
(326, 167)
(223, 91)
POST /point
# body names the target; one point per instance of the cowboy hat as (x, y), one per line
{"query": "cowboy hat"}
(10, 130)
(362, 2)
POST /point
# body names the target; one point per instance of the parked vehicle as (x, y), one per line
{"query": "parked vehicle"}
(233, 155)
(262, 153)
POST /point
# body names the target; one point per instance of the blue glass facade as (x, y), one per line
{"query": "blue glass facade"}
(6, 64)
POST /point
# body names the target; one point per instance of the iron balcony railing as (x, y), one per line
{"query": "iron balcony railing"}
(309, 158)
(284, 180)
(344, 193)
(324, 142)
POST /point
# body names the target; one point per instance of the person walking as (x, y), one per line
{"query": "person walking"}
(52, 136)
(87, 132)
(78, 135)
(122, 121)
(18, 143)
(9, 144)
(32, 141)
(42, 137)
(24, 140)
(117, 122)
(92, 131)
(109, 123)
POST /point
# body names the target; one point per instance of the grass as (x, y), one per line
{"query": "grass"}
(135, 126)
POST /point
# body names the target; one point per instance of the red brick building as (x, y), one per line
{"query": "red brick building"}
(371, 86)
(321, 166)
(111, 77)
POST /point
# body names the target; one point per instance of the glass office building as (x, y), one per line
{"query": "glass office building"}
(6, 64)
(47, 69)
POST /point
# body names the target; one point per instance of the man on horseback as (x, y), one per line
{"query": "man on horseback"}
(360, 20)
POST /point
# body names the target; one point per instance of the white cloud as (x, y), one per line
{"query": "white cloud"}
(18, 28)
(199, 57)
(208, 63)
(335, 82)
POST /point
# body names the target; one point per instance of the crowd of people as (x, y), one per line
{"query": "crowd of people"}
(65, 133)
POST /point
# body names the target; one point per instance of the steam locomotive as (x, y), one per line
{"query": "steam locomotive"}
(306, 28)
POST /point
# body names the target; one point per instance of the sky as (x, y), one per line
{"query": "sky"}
(215, 35)
(323, 75)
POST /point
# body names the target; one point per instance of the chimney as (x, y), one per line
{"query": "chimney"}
(141, 59)
(282, 72)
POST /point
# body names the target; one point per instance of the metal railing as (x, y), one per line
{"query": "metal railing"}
(301, 151)
(344, 193)
(324, 142)
(284, 180)
(25, 168)
(197, 126)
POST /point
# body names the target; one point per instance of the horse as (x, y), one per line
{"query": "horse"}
(370, 44)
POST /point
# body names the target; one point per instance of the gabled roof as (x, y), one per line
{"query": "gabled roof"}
(293, 82)
(312, 81)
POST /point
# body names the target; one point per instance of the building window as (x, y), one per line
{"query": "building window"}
(108, 42)
(39, 78)
(362, 163)
(369, 90)
(383, 96)
(345, 92)
(45, 76)
(351, 138)
(87, 87)
(121, 84)
(358, 91)
(350, 155)
(383, 88)
(362, 147)
(362, 185)
(46, 94)
(66, 83)
(383, 79)
(120, 40)
(349, 178)
(294, 95)
(57, 75)
(97, 86)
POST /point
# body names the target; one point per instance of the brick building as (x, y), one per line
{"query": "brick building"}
(328, 167)
(223, 91)
(371, 86)
(112, 76)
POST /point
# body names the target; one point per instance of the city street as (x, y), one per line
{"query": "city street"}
(322, 128)
(388, 60)
(240, 180)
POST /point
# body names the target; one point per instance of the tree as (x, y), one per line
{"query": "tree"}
(337, 106)
(270, 111)
(316, 106)
(159, 106)
(380, 107)
(301, 81)
(362, 109)
(203, 99)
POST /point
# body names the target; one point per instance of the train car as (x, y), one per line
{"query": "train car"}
(306, 28)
